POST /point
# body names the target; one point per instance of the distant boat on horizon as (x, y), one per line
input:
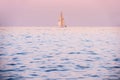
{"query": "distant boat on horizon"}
(61, 21)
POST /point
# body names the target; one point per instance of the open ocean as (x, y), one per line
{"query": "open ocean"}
(53, 53)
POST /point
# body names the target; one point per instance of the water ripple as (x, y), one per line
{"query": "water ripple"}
(79, 67)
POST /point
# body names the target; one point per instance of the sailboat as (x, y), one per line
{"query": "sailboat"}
(61, 22)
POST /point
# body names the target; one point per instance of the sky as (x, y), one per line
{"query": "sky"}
(47, 12)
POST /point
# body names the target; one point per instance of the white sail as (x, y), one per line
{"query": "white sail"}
(61, 21)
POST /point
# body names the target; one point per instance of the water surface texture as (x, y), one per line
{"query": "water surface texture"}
(53, 53)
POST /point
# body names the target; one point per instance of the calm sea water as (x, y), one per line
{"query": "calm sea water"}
(51, 53)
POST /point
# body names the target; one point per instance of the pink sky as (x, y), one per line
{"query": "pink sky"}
(46, 12)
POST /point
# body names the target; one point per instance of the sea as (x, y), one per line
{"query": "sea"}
(54, 53)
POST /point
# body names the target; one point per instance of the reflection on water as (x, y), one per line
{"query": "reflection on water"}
(59, 54)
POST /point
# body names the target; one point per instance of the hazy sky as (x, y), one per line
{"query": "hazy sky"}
(46, 12)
